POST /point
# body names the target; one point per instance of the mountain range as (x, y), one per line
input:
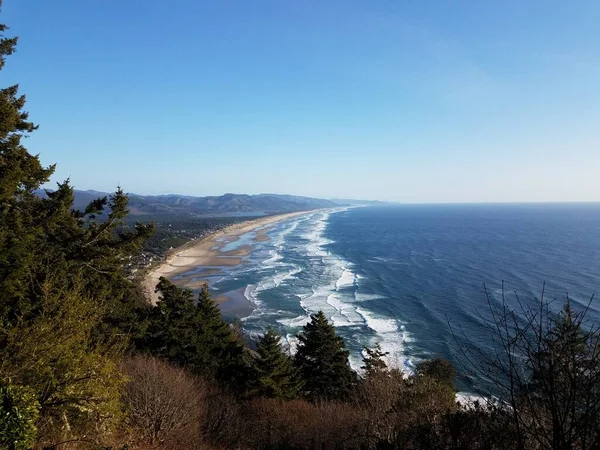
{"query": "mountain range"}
(223, 205)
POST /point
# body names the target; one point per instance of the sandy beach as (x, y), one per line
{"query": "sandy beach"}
(207, 252)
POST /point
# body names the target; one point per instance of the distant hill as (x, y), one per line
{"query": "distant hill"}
(223, 205)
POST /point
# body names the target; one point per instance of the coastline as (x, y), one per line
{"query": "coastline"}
(207, 252)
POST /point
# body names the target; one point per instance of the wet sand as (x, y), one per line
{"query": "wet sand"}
(205, 254)
(234, 304)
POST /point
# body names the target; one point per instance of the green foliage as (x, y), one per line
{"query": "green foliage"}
(20, 174)
(438, 369)
(546, 369)
(322, 361)
(564, 353)
(75, 378)
(18, 414)
(194, 335)
(562, 396)
(373, 360)
(171, 325)
(66, 307)
(227, 355)
(427, 396)
(275, 376)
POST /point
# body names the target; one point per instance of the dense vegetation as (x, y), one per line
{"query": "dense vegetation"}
(86, 362)
(173, 231)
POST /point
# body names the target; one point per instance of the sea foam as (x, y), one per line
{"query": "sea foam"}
(300, 268)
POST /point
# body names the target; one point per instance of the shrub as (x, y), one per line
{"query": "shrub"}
(18, 413)
(163, 403)
(439, 369)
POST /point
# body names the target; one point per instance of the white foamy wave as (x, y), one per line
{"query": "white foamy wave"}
(345, 314)
(317, 241)
(280, 277)
(379, 325)
(296, 322)
(467, 400)
(278, 236)
(360, 297)
(251, 295)
(347, 279)
(390, 335)
(329, 284)
(291, 343)
(293, 226)
(273, 260)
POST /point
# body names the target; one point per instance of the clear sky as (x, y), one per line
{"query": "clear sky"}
(405, 100)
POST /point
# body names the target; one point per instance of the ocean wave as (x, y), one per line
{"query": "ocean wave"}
(296, 322)
(360, 297)
(390, 335)
(467, 400)
(280, 277)
(317, 241)
(249, 293)
(345, 314)
(347, 279)
(323, 281)
(273, 260)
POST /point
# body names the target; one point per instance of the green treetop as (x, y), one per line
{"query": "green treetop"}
(225, 354)
(438, 369)
(66, 307)
(275, 374)
(373, 362)
(322, 361)
(194, 335)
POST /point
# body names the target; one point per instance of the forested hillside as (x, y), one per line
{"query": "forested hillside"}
(86, 362)
(178, 206)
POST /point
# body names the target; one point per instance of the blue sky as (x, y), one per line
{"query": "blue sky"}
(412, 101)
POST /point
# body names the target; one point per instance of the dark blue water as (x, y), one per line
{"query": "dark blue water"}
(429, 264)
(398, 275)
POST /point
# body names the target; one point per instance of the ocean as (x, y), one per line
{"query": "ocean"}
(404, 276)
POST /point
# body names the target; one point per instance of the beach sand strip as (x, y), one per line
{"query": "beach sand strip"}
(205, 252)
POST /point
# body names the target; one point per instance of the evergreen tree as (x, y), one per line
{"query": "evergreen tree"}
(194, 335)
(75, 377)
(64, 297)
(373, 362)
(322, 361)
(563, 354)
(563, 393)
(215, 329)
(439, 369)
(226, 355)
(275, 376)
(171, 331)
(20, 174)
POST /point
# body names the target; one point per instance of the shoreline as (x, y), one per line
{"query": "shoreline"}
(206, 252)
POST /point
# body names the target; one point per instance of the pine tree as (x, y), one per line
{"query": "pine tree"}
(194, 335)
(438, 369)
(224, 355)
(209, 314)
(20, 174)
(322, 361)
(563, 355)
(171, 330)
(275, 376)
(64, 298)
(373, 362)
